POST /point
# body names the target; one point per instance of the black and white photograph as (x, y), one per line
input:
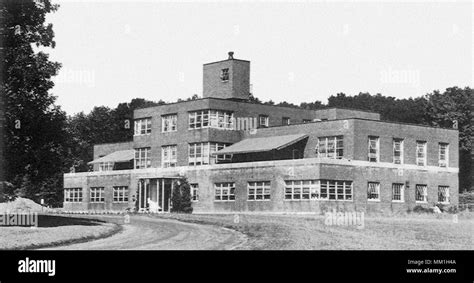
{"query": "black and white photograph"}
(151, 134)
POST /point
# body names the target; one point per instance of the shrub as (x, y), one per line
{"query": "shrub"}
(181, 197)
(421, 209)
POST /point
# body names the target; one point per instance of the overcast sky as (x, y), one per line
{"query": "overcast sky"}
(113, 51)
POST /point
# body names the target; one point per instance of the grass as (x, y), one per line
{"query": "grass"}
(54, 231)
(309, 232)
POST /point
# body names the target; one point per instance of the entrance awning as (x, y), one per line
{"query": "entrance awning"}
(261, 144)
(117, 156)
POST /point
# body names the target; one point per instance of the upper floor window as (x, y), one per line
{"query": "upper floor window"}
(421, 193)
(330, 147)
(225, 74)
(194, 192)
(201, 153)
(443, 194)
(97, 195)
(142, 158)
(211, 119)
(169, 156)
(421, 153)
(142, 126)
(73, 195)
(374, 149)
(285, 121)
(169, 123)
(258, 190)
(106, 166)
(443, 154)
(398, 151)
(373, 191)
(263, 121)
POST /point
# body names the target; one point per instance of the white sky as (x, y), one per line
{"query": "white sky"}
(113, 51)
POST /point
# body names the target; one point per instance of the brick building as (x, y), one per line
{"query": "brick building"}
(242, 156)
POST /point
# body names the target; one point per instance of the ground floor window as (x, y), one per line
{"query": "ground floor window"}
(421, 193)
(443, 194)
(318, 190)
(120, 194)
(73, 195)
(97, 195)
(258, 190)
(169, 156)
(373, 191)
(224, 191)
(398, 192)
(194, 192)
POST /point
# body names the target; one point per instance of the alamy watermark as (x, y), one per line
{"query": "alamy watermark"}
(401, 77)
(19, 219)
(80, 77)
(338, 218)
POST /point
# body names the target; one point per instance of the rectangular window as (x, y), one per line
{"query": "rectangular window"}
(374, 149)
(169, 156)
(330, 147)
(285, 121)
(217, 119)
(106, 166)
(73, 195)
(443, 154)
(421, 153)
(398, 192)
(318, 190)
(120, 194)
(169, 123)
(194, 192)
(258, 190)
(443, 194)
(373, 191)
(201, 153)
(263, 121)
(142, 126)
(224, 191)
(142, 158)
(398, 151)
(97, 195)
(225, 74)
(421, 193)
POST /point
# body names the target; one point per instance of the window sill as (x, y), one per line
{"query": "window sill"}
(224, 200)
(419, 201)
(348, 200)
(258, 199)
(373, 200)
(398, 201)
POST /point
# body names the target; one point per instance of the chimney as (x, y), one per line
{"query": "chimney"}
(231, 55)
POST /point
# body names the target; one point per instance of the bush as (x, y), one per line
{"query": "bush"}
(181, 197)
(421, 209)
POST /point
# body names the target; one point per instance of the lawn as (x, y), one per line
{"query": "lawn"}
(309, 232)
(53, 231)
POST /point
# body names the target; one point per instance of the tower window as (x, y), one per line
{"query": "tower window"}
(225, 74)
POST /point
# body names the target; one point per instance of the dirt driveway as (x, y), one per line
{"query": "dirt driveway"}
(147, 233)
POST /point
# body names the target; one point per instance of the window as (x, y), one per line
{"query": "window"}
(217, 119)
(97, 195)
(443, 194)
(73, 195)
(263, 121)
(258, 190)
(106, 166)
(398, 151)
(421, 153)
(142, 126)
(225, 74)
(169, 156)
(443, 154)
(307, 121)
(224, 191)
(169, 123)
(373, 191)
(142, 158)
(285, 121)
(318, 190)
(421, 193)
(398, 192)
(194, 192)
(201, 153)
(120, 194)
(330, 147)
(374, 149)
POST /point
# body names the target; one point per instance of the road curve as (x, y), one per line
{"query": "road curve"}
(150, 233)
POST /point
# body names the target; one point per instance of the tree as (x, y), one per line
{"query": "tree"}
(456, 107)
(181, 197)
(34, 130)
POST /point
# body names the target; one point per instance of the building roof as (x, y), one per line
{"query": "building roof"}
(116, 156)
(261, 144)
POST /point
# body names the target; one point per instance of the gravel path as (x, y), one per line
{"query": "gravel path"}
(149, 233)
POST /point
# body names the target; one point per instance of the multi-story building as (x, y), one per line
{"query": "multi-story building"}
(242, 156)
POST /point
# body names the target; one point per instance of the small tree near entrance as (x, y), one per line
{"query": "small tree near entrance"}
(181, 197)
